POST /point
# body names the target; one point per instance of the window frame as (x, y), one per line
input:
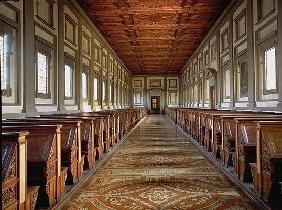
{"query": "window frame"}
(44, 47)
(111, 91)
(8, 29)
(226, 67)
(70, 61)
(85, 70)
(97, 78)
(240, 58)
(104, 95)
(262, 48)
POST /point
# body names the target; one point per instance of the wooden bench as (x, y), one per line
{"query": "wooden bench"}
(70, 156)
(267, 171)
(97, 131)
(113, 120)
(15, 192)
(87, 136)
(214, 139)
(105, 123)
(245, 144)
(228, 134)
(42, 160)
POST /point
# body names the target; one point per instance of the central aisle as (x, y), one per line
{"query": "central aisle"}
(158, 168)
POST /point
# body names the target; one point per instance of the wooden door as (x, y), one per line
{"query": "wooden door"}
(155, 104)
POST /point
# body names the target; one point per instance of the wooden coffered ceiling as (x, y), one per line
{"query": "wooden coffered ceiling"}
(154, 37)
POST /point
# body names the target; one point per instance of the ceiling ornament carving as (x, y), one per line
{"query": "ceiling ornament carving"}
(154, 37)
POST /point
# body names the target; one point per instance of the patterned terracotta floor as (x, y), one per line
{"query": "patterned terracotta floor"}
(157, 168)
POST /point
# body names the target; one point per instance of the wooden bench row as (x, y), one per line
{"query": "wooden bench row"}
(59, 148)
(250, 142)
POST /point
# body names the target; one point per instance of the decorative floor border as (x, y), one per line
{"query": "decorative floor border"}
(229, 173)
(72, 189)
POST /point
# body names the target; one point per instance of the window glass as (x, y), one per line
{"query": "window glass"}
(42, 73)
(207, 89)
(95, 89)
(110, 93)
(68, 81)
(104, 91)
(270, 69)
(227, 83)
(84, 85)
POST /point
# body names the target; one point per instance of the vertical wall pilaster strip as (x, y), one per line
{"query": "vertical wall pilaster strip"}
(29, 60)
(279, 55)
(250, 55)
(91, 73)
(218, 90)
(61, 57)
(108, 81)
(231, 62)
(79, 69)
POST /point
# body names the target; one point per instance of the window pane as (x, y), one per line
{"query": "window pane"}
(243, 79)
(104, 90)
(207, 89)
(68, 81)
(95, 89)
(84, 85)
(270, 69)
(42, 73)
(227, 83)
(110, 93)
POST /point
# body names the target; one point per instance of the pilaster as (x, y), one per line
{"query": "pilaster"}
(231, 64)
(78, 82)
(279, 54)
(29, 106)
(61, 58)
(250, 55)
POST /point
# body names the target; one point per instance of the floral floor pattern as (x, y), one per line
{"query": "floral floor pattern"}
(157, 168)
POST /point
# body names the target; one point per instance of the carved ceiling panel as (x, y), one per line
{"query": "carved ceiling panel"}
(154, 36)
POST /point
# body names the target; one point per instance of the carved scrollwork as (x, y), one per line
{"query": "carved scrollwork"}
(48, 190)
(12, 169)
(33, 200)
(8, 196)
(51, 170)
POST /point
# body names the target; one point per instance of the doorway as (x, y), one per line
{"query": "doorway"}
(155, 104)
